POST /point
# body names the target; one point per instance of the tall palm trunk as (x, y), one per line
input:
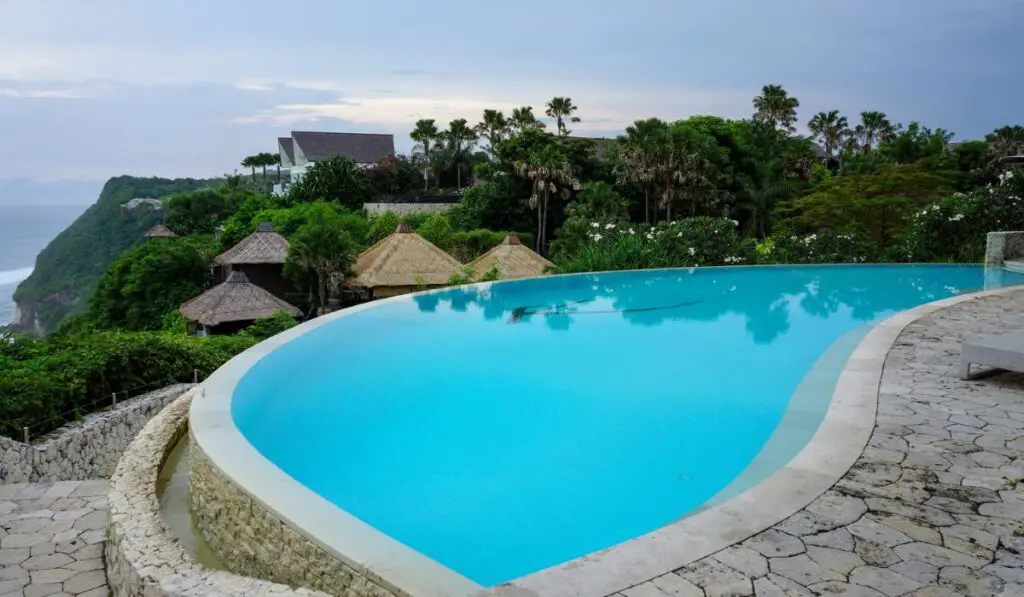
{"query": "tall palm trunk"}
(540, 224)
(544, 223)
(254, 173)
(647, 206)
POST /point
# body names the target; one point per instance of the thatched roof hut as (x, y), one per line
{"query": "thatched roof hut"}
(261, 247)
(401, 262)
(160, 231)
(235, 300)
(512, 259)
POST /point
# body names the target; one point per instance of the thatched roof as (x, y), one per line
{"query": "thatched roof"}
(236, 299)
(262, 246)
(512, 260)
(160, 231)
(404, 258)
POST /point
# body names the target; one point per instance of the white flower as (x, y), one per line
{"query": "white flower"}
(609, 226)
(673, 223)
(692, 251)
(650, 236)
(734, 222)
(595, 225)
(792, 238)
(956, 218)
(631, 231)
(597, 237)
(680, 235)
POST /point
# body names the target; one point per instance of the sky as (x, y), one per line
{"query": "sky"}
(90, 90)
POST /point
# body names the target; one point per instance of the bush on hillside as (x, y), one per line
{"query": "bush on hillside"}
(45, 384)
(262, 329)
(820, 247)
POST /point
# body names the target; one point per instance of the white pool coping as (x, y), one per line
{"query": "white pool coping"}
(833, 449)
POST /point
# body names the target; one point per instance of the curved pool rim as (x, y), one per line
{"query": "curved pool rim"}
(835, 446)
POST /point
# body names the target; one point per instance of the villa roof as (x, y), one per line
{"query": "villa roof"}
(512, 260)
(160, 231)
(404, 258)
(262, 246)
(236, 299)
(288, 147)
(361, 147)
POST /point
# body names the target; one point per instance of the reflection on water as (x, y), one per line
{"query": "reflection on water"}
(172, 491)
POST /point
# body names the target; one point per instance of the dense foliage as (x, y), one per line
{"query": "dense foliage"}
(46, 383)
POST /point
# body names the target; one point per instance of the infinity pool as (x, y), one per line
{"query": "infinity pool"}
(505, 429)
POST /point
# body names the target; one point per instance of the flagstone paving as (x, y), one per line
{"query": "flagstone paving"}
(51, 539)
(934, 507)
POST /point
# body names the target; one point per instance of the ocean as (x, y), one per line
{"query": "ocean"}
(25, 230)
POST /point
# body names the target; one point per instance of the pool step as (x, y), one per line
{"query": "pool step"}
(1014, 265)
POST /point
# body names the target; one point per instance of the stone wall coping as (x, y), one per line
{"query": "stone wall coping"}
(143, 557)
(833, 449)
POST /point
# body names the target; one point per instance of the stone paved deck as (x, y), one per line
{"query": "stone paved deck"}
(51, 539)
(934, 507)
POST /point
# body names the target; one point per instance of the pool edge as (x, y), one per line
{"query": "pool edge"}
(408, 572)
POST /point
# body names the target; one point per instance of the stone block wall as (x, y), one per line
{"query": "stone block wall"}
(404, 209)
(143, 557)
(251, 540)
(89, 449)
(1001, 246)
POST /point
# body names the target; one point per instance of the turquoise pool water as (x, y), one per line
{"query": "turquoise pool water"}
(504, 430)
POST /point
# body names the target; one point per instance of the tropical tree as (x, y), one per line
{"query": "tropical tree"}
(829, 128)
(775, 108)
(335, 179)
(523, 118)
(638, 156)
(265, 159)
(761, 194)
(425, 133)
(251, 162)
(1006, 141)
(460, 139)
(493, 127)
(873, 127)
(319, 256)
(561, 109)
(549, 171)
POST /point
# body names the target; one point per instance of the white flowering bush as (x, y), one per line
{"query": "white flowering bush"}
(955, 227)
(689, 242)
(821, 247)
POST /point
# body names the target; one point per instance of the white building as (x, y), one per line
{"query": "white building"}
(304, 148)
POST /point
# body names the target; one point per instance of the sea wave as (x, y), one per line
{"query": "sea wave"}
(14, 276)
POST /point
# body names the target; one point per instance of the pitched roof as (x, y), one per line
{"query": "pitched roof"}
(512, 260)
(360, 147)
(160, 231)
(236, 299)
(288, 146)
(262, 246)
(404, 258)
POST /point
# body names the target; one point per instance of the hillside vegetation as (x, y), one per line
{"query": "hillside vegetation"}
(67, 269)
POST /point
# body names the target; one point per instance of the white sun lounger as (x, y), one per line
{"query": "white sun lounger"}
(998, 352)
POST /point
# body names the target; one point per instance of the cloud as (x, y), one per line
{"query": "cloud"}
(46, 93)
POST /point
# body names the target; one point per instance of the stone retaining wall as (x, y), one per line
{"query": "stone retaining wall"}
(89, 449)
(1001, 246)
(143, 557)
(249, 539)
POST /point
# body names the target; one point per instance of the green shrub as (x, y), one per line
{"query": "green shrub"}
(262, 329)
(381, 225)
(820, 247)
(955, 228)
(59, 379)
(437, 228)
(467, 246)
(684, 243)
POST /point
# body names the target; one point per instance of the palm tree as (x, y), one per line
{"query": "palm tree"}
(761, 194)
(265, 159)
(523, 118)
(425, 133)
(460, 139)
(551, 174)
(493, 127)
(637, 153)
(251, 162)
(324, 250)
(776, 108)
(561, 109)
(830, 128)
(873, 127)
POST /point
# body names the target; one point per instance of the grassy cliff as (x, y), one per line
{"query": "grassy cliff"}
(67, 269)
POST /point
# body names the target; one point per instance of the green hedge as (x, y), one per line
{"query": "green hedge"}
(47, 383)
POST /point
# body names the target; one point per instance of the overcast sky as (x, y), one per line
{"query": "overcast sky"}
(90, 90)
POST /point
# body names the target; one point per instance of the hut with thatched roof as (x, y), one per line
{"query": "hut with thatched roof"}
(512, 259)
(260, 256)
(402, 262)
(160, 231)
(233, 305)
